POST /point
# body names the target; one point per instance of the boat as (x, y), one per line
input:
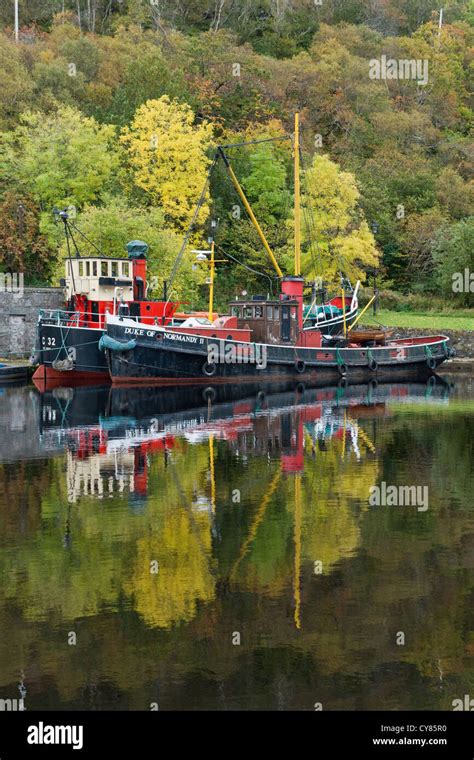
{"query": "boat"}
(328, 317)
(260, 340)
(10, 372)
(263, 339)
(371, 337)
(67, 340)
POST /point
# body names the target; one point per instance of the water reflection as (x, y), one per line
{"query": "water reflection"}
(158, 523)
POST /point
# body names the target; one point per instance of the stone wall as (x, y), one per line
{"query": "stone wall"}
(18, 317)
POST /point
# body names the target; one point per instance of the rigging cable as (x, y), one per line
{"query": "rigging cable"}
(245, 266)
(308, 214)
(85, 238)
(180, 255)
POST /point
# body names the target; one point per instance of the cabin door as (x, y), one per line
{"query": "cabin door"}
(285, 323)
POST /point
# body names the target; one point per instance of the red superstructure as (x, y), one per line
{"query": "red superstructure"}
(97, 285)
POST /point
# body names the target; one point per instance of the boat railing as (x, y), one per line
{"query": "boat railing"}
(70, 318)
(64, 318)
(320, 319)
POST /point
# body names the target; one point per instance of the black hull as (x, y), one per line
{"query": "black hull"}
(131, 413)
(70, 351)
(159, 357)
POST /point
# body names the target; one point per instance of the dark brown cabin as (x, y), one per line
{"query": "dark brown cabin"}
(271, 321)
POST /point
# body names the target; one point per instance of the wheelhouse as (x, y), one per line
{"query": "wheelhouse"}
(277, 321)
(270, 320)
(99, 278)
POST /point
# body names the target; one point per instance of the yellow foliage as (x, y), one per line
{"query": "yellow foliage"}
(167, 155)
(340, 237)
(184, 578)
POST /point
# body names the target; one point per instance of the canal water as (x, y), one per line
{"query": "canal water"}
(226, 549)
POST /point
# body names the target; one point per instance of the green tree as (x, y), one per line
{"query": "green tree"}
(453, 253)
(62, 158)
(266, 185)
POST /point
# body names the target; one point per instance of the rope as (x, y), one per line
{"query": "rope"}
(85, 238)
(180, 255)
(256, 142)
(245, 266)
(72, 345)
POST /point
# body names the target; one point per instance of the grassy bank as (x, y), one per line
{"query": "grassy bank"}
(447, 320)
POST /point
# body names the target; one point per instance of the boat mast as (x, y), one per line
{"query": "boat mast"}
(201, 258)
(297, 195)
(249, 211)
(212, 265)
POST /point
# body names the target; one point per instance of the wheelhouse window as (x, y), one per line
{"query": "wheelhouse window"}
(258, 312)
(94, 268)
(125, 269)
(104, 268)
(81, 269)
(114, 269)
(276, 312)
(88, 269)
(235, 311)
(248, 311)
(293, 312)
(270, 312)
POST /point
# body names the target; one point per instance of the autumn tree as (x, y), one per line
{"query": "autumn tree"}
(22, 247)
(339, 239)
(16, 84)
(167, 155)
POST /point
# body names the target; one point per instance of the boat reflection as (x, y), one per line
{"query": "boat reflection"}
(158, 523)
(110, 434)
